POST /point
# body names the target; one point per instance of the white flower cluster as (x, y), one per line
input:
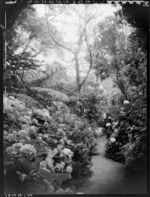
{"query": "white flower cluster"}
(24, 120)
(60, 147)
(13, 102)
(108, 124)
(112, 139)
(9, 150)
(55, 151)
(28, 149)
(62, 164)
(43, 113)
(115, 124)
(116, 131)
(43, 165)
(5, 133)
(33, 130)
(23, 133)
(125, 102)
(14, 149)
(50, 152)
(46, 135)
(69, 169)
(17, 146)
(49, 162)
(35, 121)
(25, 127)
(11, 137)
(46, 113)
(61, 132)
(20, 106)
(59, 167)
(99, 131)
(68, 152)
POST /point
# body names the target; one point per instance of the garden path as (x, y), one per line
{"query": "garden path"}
(109, 177)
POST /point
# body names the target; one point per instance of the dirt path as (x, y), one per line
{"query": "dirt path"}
(109, 176)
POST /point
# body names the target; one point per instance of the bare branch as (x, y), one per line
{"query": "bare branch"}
(91, 60)
(86, 23)
(27, 44)
(57, 42)
(88, 20)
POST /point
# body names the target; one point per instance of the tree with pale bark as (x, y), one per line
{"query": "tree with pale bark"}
(82, 45)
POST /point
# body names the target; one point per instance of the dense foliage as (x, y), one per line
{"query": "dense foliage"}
(128, 136)
(128, 140)
(121, 53)
(44, 149)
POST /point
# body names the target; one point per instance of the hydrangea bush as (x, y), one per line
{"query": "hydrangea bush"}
(128, 138)
(42, 151)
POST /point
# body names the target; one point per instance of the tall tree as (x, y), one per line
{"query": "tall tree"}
(25, 41)
(111, 50)
(119, 53)
(81, 46)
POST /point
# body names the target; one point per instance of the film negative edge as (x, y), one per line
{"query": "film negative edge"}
(144, 2)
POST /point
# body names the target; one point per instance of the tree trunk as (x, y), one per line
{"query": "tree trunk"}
(77, 73)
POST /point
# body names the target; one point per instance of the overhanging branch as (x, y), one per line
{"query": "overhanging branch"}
(57, 42)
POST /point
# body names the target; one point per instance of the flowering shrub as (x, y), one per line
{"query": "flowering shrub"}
(23, 133)
(29, 101)
(127, 140)
(27, 149)
(40, 149)
(67, 152)
(90, 105)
